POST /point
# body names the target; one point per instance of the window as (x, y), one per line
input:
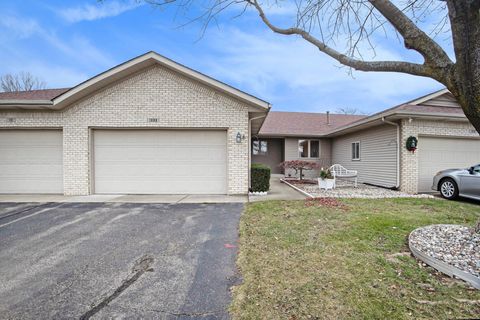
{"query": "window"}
(356, 151)
(476, 170)
(259, 147)
(308, 148)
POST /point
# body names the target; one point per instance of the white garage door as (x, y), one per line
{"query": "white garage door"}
(31, 161)
(437, 154)
(160, 161)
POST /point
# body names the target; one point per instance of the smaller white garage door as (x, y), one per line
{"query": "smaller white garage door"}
(31, 161)
(436, 153)
(160, 161)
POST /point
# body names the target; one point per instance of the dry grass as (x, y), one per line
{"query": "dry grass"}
(303, 261)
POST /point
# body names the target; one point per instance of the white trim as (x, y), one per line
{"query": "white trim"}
(370, 121)
(25, 102)
(297, 188)
(430, 96)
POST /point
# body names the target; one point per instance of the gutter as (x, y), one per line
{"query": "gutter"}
(28, 104)
(250, 148)
(389, 113)
(398, 149)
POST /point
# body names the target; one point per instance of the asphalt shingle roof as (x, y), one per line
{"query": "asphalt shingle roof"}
(280, 123)
(45, 94)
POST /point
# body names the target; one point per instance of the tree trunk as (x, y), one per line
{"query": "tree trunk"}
(464, 83)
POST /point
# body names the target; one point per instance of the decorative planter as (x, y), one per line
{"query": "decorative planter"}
(258, 193)
(326, 183)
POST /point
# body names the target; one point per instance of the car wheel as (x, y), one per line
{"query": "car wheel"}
(448, 189)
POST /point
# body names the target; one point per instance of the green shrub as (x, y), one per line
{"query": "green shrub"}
(260, 177)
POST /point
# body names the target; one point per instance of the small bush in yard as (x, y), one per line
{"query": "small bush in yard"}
(260, 177)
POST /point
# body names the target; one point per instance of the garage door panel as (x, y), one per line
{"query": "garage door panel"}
(31, 161)
(145, 152)
(160, 161)
(439, 153)
(143, 170)
(43, 171)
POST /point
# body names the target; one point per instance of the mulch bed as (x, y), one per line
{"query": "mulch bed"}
(325, 202)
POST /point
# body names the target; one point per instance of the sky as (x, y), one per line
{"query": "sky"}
(67, 42)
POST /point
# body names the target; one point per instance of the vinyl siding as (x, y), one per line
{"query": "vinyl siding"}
(273, 157)
(445, 100)
(291, 153)
(378, 152)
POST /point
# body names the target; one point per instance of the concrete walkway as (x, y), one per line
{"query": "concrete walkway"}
(278, 191)
(150, 198)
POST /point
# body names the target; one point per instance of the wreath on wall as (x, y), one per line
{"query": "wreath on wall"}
(412, 144)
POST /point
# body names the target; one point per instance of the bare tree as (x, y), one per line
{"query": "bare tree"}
(23, 81)
(350, 110)
(324, 23)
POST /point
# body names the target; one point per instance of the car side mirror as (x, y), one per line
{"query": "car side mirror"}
(470, 170)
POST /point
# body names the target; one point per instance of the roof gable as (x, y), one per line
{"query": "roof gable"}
(57, 100)
(141, 62)
(441, 98)
(437, 105)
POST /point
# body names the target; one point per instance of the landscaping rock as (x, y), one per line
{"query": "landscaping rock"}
(453, 244)
(346, 189)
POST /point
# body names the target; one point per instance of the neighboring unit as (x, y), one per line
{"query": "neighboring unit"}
(375, 146)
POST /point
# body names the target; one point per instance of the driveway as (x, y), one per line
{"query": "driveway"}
(117, 260)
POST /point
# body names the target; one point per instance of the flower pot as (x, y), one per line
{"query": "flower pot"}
(326, 183)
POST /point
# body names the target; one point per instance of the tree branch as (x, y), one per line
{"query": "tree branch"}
(414, 38)
(385, 66)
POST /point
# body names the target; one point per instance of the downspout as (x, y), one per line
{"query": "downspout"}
(250, 149)
(398, 148)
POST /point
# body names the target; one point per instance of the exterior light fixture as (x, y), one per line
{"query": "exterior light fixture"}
(239, 137)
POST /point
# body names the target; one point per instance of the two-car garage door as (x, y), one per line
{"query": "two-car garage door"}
(124, 161)
(439, 153)
(160, 161)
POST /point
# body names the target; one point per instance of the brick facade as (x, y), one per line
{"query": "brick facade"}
(156, 92)
(417, 128)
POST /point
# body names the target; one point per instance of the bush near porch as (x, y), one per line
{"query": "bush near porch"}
(260, 175)
(346, 259)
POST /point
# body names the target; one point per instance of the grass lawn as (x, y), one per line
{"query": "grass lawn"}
(304, 261)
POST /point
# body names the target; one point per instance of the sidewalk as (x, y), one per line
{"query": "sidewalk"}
(147, 198)
(278, 191)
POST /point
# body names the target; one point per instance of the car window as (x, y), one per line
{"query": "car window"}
(476, 170)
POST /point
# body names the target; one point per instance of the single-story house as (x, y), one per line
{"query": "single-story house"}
(146, 126)
(375, 145)
(153, 126)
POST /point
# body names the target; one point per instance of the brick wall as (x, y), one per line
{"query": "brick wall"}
(156, 92)
(417, 128)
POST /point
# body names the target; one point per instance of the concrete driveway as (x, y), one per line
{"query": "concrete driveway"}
(117, 260)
